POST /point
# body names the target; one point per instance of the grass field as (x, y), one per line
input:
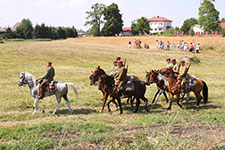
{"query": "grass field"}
(87, 128)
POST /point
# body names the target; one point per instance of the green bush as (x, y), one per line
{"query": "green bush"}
(196, 60)
(223, 32)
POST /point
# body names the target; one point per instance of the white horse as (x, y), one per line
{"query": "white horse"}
(60, 90)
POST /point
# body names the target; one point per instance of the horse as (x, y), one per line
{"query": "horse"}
(153, 77)
(175, 89)
(138, 93)
(60, 90)
(94, 77)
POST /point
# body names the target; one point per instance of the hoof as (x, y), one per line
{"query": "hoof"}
(135, 112)
(70, 112)
(169, 108)
(43, 111)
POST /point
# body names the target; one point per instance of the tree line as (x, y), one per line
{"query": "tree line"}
(26, 31)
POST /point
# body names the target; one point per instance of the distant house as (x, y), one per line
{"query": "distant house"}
(15, 26)
(126, 31)
(222, 25)
(197, 29)
(159, 24)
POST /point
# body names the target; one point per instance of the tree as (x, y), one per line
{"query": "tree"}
(8, 33)
(140, 26)
(25, 29)
(209, 16)
(61, 33)
(71, 32)
(95, 17)
(37, 31)
(187, 24)
(222, 20)
(191, 32)
(114, 22)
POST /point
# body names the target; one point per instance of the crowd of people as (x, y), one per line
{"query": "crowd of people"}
(181, 45)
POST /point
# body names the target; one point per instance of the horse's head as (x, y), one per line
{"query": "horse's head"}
(96, 74)
(166, 72)
(22, 79)
(152, 76)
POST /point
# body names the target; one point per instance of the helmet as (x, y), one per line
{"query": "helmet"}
(118, 58)
(168, 59)
(49, 63)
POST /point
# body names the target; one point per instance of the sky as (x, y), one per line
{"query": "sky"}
(70, 13)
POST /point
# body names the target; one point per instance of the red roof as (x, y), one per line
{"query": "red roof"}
(126, 29)
(159, 19)
(223, 25)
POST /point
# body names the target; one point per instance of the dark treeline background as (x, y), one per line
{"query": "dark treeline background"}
(26, 31)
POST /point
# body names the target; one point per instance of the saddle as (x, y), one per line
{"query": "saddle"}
(129, 86)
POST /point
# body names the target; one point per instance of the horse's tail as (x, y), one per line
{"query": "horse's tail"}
(73, 87)
(205, 92)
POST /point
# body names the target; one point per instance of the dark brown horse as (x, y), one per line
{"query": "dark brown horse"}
(152, 77)
(95, 75)
(138, 93)
(175, 89)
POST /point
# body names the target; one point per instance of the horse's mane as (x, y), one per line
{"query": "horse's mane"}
(32, 77)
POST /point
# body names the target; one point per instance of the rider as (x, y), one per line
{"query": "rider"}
(121, 79)
(169, 64)
(47, 78)
(182, 73)
(176, 67)
(115, 69)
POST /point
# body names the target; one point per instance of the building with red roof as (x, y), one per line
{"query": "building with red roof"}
(159, 24)
(126, 31)
(222, 25)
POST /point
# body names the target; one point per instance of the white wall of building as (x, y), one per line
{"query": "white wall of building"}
(156, 27)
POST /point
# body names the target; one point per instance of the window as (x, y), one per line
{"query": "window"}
(155, 29)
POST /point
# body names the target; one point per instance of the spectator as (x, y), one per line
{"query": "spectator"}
(156, 44)
(129, 44)
(182, 44)
(168, 46)
(178, 45)
(134, 43)
(185, 47)
(173, 46)
(194, 45)
(191, 48)
(198, 48)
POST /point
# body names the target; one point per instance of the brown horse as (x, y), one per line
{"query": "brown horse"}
(175, 89)
(152, 77)
(95, 75)
(138, 93)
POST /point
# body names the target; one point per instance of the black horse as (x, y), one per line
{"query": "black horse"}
(138, 93)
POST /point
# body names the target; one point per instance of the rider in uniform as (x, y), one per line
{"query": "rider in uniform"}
(182, 73)
(169, 64)
(176, 67)
(115, 69)
(46, 79)
(121, 79)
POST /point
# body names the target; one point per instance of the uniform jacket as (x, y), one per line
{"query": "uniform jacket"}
(49, 75)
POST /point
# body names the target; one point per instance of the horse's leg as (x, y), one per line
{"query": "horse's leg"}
(105, 96)
(137, 104)
(156, 94)
(146, 103)
(182, 98)
(115, 103)
(178, 99)
(171, 100)
(58, 98)
(165, 95)
(68, 103)
(160, 92)
(132, 101)
(108, 104)
(188, 97)
(199, 98)
(128, 99)
(36, 100)
(120, 105)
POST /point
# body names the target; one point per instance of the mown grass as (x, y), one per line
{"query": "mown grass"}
(86, 128)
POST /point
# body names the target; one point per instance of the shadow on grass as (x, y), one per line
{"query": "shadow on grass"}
(142, 110)
(191, 104)
(81, 111)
